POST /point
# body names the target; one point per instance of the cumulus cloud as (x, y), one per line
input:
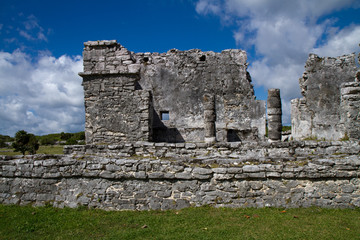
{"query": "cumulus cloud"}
(283, 33)
(343, 41)
(42, 95)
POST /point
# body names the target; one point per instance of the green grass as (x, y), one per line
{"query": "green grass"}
(52, 149)
(192, 223)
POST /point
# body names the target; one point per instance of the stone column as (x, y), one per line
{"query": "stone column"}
(274, 114)
(209, 118)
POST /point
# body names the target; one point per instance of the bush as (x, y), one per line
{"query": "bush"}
(79, 136)
(71, 141)
(47, 140)
(286, 128)
(25, 142)
(3, 144)
(65, 136)
(4, 139)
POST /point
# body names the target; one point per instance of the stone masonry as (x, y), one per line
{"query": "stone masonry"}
(293, 174)
(274, 114)
(350, 108)
(159, 97)
(114, 110)
(327, 111)
(183, 128)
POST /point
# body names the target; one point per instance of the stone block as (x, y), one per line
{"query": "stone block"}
(156, 175)
(183, 175)
(251, 169)
(202, 171)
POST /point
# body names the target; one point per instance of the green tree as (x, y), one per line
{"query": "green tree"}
(65, 136)
(25, 142)
(47, 140)
(2, 143)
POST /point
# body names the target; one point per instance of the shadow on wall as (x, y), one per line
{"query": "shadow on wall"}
(162, 133)
(234, 135)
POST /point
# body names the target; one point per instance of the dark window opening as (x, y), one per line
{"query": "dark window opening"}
(138, 86)
(164, 115)
(233, 135)
(202, 58)
(146, 59)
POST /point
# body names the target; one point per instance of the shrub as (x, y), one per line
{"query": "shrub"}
(79, 136)
(47, 140)
(65, 136)
(4, 139)
(71, 141)
(286, 128)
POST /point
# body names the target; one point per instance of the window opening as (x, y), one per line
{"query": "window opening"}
(165, 115)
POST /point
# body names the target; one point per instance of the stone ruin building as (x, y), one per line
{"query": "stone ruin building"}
(178, 96)
(195, 96)
(183, 128)
(331, 104)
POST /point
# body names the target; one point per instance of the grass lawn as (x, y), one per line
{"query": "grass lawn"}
(51, 149)
(192, 223)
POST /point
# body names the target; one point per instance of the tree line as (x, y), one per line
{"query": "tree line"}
(27, 142)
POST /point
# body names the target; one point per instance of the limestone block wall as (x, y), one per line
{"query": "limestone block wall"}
(246, 151)
(115, 109)
(318, 113)
(273, 175)
(177, 82)
(350, 108)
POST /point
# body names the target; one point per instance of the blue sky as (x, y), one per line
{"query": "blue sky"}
(41, 44)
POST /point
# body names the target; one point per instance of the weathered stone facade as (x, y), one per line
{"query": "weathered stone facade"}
(350, 108)
(115, 110)
(327, 111)
(159, 97)
(293, 174)
(183, 128)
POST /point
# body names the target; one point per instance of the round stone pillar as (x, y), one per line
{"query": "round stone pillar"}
(274, 114)
(209, 118)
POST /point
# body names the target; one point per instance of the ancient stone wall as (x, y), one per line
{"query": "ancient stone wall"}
(350, 109)
(272, 175)
(177, 82)
(318, 114)
(115, 110)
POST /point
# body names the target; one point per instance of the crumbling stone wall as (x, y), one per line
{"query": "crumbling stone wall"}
(319, 113)
(176, 82)
(350, 108)
(271, 175)
(115, 110)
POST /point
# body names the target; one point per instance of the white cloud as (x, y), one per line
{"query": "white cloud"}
(33, 30)
(344, 41)
(283, 33)
(41, 95)
(206, 7)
